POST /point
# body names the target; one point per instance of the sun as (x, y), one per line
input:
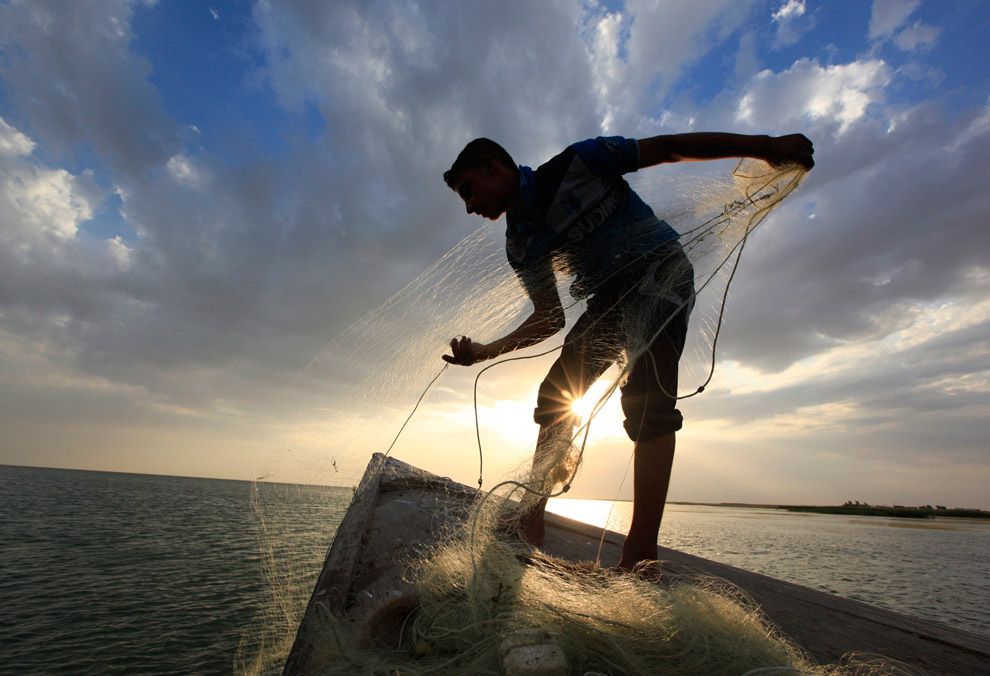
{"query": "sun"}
(584, 406)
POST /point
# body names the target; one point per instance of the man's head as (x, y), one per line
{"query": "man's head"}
(486, 178)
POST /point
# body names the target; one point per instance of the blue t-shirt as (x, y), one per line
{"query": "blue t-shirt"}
(580, 216)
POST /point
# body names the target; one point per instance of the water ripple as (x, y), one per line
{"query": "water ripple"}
(121, 574)
(934, 570)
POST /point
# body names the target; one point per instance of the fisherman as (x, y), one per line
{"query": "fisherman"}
(577, 214)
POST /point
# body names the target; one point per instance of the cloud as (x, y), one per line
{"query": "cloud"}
(790, 10)
(918, 398)
(664, 39)
(120, 252)
(185, 171)
(786, 17)
(70, 69)
(893, 230)
(406, 85)
(605, 42)
(887, 16)
(12, 142)
(40, 206)
(978, 127)
(917, 36)
(839, 94)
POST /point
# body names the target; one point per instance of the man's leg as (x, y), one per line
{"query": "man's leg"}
(652, 419)
(532, 528)
(589, 349)
(651, 477)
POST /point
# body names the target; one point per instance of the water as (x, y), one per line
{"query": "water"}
(933, 569)
(116, 573)
(130, 574)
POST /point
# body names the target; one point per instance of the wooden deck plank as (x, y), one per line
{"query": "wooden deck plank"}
(825, 625)
(399, 511)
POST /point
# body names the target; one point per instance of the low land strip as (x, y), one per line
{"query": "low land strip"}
(900, 511)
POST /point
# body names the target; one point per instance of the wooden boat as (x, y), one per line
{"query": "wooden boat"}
(399, 511)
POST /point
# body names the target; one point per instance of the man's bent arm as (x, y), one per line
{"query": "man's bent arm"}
(719, 145)
(540, 325)
(546, 319)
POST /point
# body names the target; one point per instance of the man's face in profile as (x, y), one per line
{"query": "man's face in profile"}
(486, 190)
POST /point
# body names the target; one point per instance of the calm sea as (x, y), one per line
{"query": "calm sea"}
(934, 569)
(106, 573)
(133, 574)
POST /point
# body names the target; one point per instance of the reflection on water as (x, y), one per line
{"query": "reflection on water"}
(596, 512)
(933, 568)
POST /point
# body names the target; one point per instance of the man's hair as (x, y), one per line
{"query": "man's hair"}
(473, 157)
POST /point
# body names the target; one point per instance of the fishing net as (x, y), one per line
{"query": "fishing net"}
(487, 609)
(381, 387)
(359, 392)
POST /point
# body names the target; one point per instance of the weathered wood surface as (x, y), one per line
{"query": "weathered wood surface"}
(399, 511)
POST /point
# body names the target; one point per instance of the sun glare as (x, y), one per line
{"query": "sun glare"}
(596, 512)
(586, 404)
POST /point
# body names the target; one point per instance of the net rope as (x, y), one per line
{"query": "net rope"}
(480, 585)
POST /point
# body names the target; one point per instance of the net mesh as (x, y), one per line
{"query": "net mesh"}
(480, 585)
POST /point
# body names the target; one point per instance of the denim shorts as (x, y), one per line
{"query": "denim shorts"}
(602, 337)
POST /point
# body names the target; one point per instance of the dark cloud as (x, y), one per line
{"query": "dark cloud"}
(933, 390)
(895, 222)
(73, 76)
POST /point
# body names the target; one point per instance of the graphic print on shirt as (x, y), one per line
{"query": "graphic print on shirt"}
(583, 201)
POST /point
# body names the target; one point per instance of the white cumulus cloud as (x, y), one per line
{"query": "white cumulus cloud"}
(36, 201)
(119, 253)
(791, 9)
(606, 64)
(838, 93)
(786, 18)
(664, 39)
(13, 142)
(185, 171)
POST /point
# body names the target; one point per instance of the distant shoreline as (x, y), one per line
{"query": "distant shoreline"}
(851, 510)
(898, 511)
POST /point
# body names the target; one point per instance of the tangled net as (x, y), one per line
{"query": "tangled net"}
(474, 606)
(481, 586)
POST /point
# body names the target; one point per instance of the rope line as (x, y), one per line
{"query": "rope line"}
(689, 240)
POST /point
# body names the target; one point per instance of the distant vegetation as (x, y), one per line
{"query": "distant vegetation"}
(857, 508)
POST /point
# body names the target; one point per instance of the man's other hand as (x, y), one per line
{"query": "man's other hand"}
(791, 149)
(465, 352)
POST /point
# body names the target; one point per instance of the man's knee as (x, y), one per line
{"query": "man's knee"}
(553, 405)
(650, 417)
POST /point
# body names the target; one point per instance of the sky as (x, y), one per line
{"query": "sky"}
(196, 198)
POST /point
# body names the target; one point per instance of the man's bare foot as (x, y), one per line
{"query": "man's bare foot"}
(646, 570)
(633, 556)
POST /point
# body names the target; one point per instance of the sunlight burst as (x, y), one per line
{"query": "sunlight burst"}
(584, 406)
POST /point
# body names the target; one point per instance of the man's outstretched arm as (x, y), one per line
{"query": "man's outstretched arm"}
(776, 150)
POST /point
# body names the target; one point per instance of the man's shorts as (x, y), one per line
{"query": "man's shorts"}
(651, 299)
